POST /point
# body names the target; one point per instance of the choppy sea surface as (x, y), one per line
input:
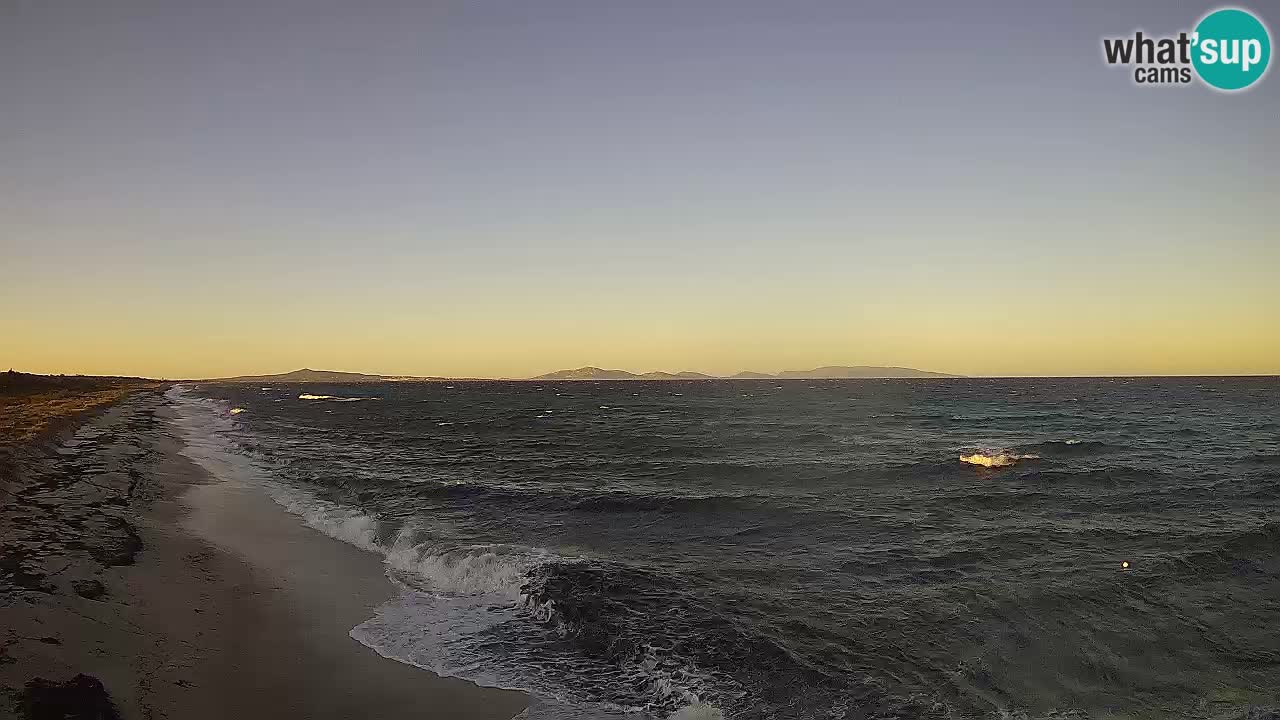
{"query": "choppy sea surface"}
(1108, 548)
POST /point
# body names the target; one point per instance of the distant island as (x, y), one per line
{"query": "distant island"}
(836, 372)
(595, 373)
(829, 372)
(307, 375)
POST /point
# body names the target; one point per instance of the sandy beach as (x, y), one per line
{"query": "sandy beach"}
(182, 596)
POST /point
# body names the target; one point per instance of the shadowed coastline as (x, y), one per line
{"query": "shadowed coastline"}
(112, 604)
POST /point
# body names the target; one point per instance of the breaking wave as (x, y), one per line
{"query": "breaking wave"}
(488, 613)
(771, 561)
(1073, 447)
(996, 458)
(334, 398)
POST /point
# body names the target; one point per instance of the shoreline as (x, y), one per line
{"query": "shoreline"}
(203, 599)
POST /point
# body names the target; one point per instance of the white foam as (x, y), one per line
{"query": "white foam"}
(334, 398)
(491, 570)
(336, 521)
(995, 458)
(439, 634)
(203, 423)
(450, 593)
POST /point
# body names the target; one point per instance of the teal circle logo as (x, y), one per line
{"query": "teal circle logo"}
(1231, 49)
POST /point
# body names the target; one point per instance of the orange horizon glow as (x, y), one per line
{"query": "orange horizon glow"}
(1171, 322)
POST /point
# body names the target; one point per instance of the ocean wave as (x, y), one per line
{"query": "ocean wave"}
(411, 554)
(1266, 492)
(436, 566)
(996, 458)
(335, 398)
(456, 596)
(621, 616)
(609, 501)
(757, 567)
(504, 625)
(1112, 476)
(679, 653)
(337, 521)
(1266, 459)
(499, 570)
(1250, 551)
(698, 712)
(458, 600)
(998, 501)
(632, 502)
(1072, 447)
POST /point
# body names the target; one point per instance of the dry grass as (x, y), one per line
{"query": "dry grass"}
(32, 406)
(25, 418)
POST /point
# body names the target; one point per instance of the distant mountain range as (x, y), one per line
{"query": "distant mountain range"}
(307, 375)
(595, 373)
(828, 372)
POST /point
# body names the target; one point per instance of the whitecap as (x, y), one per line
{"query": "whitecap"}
(451, 593)
(995, 458)
(334, 398)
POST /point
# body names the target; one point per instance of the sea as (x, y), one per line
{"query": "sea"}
(759, 549)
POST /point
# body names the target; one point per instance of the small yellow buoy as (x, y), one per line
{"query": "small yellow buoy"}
(1124, 564)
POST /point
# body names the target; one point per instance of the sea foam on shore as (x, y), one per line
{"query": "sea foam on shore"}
(451, 594)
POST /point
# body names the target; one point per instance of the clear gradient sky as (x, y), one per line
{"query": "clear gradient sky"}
(194, 189)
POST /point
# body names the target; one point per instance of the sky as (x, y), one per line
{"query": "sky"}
(478, 188)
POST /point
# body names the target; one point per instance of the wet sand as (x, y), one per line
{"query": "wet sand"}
(189, 597)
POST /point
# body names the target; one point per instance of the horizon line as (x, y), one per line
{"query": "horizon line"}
(708, 376)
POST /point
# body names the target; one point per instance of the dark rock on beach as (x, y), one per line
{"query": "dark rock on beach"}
(88, 589)
(83, 697)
